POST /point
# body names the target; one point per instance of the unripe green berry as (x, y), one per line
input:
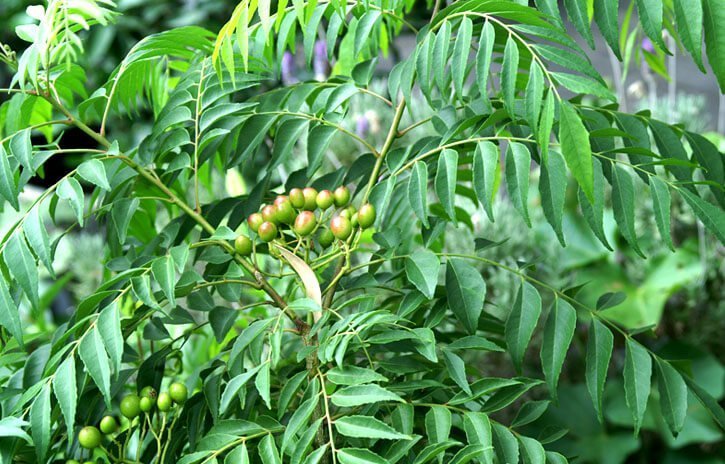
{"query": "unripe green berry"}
(109, 425)
(267, 231)
(342, 196)
(178, 392)
(310, 198)
(243, 245)
(148, 391)
(89, 437)
(285, 212)
(305, 223)
(297, 198)
(353, 220)
(325, 238)
(269, 214)
(340, 227)
(72, 461)
(164, 402)
(366, 215)
(254, 221)
(130, 407)
(280, 199)
(325, 199)
(146, 404)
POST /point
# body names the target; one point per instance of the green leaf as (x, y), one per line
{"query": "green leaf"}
(422, 269)
(533, 452)
(367, 427)
(606, 15)
(529, 412)
(711, 216)
(353, 375)
(457, 370)
(262, 383)
(358, 395)
(650, 14)
(299, 420)
(555, 458)
(40, 422)
(438, 424)
(518, 167)
(543, 135)
(467, 454)
(673, 395)
(688, 16)
(551, 8)
(484, 56)
(164, 273)
(478, 432)
(509, 72)
(485, 164)
(534, 95)
(522, 321)
(661, 201)
(579, 16)
(365, 28)
(552, 187)
(238, 455)
(594, 212)
(70, 190)
(288, 133)
(109, 326)
(466, 291)
(94, 357)
(440, 54)
(637, 376)
(418, 192)
(316, 456)
(8, 188)
(21, 264)
(64, 387)
(22, 149)
(268, 450)
(505, 444)
(318, 140)
(599, 352)
(9, 313)
(711, 405)
(121, 214)
(623, 205)
(575, 147)
(461, 50)
(423, 65)
(94, 172)
(583, 85)
(445, 181)
(233, 387)
(38, 238)
(359, 456)
(558, 334)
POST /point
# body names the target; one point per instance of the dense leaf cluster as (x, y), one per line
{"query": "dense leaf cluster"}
(361, 353)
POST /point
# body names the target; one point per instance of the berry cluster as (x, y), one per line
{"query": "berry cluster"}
(303, 212)
(131, 407)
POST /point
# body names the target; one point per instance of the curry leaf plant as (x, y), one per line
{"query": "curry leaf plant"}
(318, 314)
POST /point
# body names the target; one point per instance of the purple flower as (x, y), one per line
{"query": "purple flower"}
(320, 65)
(362, 126)
(288, 68)
(647, 45)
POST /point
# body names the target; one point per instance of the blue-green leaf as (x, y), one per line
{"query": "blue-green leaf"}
(518, 166)
(637, 376)
(599, 352)
(558, 334)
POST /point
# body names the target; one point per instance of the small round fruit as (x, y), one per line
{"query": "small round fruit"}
(325, 199)
(269, 214)
(354, 220)
(297, 198)
(341, 227)
(366, 215)
(163, 401)
(109, 425)
(326, 238)
(72, 461)
(345, 213)
(243, 245)
(305, 223)
(149, 392)
(280, 199)
(285, 212)
(146, 404)
(310, 198)
(178, 392)
(254, 221)
(130, 407)
(342, 196)
(267, 231)
(89, 437)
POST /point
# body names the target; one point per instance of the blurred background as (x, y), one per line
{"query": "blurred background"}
(676, 298)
